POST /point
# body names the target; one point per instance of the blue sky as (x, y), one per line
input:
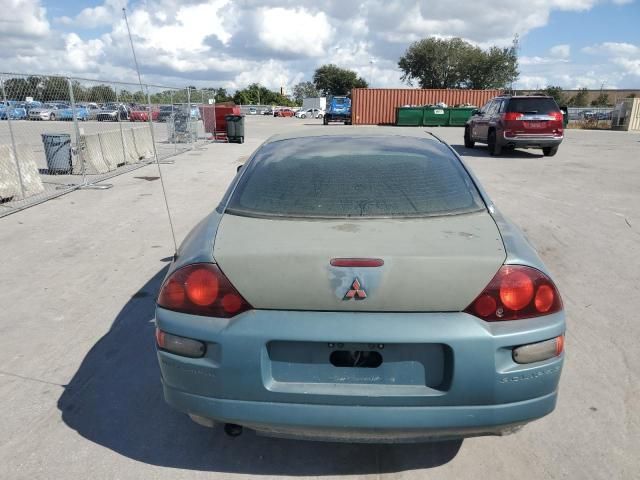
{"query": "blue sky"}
(230, 43)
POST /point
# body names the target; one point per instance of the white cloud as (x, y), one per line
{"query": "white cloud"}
(278, 42)
(23, 18)
(294, 31)
(624, 55)
(104, 14)
(560, 51)
(82, 56)
(541, 60)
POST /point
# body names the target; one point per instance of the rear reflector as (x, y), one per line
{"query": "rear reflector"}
(516, 292)
(185, 347)
(537, 352)
(357, 262)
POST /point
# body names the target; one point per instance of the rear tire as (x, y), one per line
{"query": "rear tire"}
(325, 121)
(494, 148)
(549, 151)
(468, 142)
(52, 117)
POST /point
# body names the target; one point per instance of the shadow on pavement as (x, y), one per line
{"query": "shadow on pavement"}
(481, 151)
(115, 400)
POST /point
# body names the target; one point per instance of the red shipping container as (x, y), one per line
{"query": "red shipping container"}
(377, 106)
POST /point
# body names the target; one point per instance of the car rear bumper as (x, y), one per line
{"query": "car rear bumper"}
(364, 423)
(532, 141)
(442, 374)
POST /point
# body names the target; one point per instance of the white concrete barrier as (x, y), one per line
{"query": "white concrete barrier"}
(105, 151)
(143, 142)
(10, 185)
(91, 152)
(131, 155)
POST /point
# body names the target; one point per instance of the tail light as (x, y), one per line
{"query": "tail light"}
(557, 116)
(201, 289)
(516, 292)
(512, 116)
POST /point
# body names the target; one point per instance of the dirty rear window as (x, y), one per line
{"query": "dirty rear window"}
(338, 176)
(540, 106)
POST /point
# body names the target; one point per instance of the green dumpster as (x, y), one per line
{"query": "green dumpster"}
(409, 116)
(435, 117)
(459, 116)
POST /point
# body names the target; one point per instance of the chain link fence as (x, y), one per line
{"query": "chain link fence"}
(58, 133)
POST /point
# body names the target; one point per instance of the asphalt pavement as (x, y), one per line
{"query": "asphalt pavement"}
(79, 382)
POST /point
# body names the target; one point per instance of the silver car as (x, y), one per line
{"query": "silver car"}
(360, 286)
(47, 111)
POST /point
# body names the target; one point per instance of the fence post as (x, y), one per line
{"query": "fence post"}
(13, 140)
(189, 115)
(215, 126)
(74, 118)
(173, 126)
(150, 120)
(124, 152)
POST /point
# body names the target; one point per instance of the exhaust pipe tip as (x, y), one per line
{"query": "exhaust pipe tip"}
(232, 430)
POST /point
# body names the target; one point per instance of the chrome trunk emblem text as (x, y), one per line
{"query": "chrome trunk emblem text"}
(356, 291)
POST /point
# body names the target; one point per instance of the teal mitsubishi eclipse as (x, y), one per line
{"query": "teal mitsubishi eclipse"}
(359, 285)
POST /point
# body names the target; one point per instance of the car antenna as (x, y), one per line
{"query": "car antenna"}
(153, 140)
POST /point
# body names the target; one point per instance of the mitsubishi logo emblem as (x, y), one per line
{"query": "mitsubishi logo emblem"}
(356, 291)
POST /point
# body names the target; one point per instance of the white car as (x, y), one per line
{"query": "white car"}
(48, 111)
(310, 113)
(253, 111)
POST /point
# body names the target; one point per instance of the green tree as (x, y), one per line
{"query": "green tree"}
(333, 80)
(304, 90)
(221, 95)
(256, 94)
(18, 89)
(580, 99)
(101, 94)
(455, 63)
(557, 94)
(601, 100)
(54, 88)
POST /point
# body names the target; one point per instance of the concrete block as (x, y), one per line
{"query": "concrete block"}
(9, 177)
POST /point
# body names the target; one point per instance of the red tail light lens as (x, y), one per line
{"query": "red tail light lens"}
(512, 116)
(557, 116)
(201, 289)
(516, 292)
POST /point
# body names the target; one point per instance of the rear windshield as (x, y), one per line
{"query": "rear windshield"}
(337, 177)
(533, 105)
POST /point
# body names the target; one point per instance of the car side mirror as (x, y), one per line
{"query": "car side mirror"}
(238, 168)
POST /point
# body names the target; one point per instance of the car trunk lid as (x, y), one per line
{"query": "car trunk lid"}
(429, 264)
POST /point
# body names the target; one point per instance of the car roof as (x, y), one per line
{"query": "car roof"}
(352, 132)
(524, 96)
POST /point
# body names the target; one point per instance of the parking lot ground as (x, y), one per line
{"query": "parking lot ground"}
(79, 383)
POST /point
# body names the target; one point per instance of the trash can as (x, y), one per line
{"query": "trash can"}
(235, 128)
(435, 117)
(409, 116)
(57, 150)
(459, 116)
